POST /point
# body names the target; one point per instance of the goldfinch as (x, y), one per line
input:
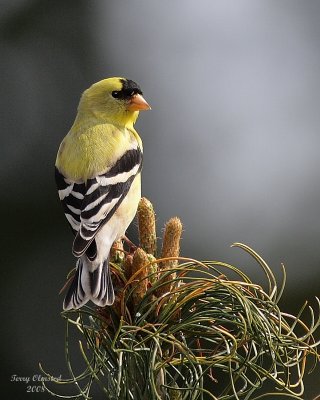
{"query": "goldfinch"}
(97, 173)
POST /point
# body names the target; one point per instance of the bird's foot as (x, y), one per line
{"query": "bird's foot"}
(132, 246)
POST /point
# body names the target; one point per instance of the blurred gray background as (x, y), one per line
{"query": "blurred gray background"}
(231, 144)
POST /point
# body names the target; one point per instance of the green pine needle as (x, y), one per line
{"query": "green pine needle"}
(210, 337)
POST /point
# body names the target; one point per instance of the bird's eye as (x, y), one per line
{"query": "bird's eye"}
(116, 94)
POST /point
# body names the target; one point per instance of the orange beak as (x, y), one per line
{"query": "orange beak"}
(138, 103)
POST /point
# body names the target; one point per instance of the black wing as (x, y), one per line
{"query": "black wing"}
(71, 195)
(88, 206)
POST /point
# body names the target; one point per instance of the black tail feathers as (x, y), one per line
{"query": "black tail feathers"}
(90, 285)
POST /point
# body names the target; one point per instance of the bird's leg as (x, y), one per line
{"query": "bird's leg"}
(117, 252)
(132, 246)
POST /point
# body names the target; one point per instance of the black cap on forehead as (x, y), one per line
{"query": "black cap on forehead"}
(129, 89)
(129, 85)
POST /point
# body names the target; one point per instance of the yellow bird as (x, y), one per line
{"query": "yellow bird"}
(98, 178)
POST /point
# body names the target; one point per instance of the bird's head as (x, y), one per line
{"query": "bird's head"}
(117, 100)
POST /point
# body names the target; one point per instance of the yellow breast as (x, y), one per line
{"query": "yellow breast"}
(85, 153)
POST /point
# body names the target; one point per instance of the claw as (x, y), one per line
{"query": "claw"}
(132, 246)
